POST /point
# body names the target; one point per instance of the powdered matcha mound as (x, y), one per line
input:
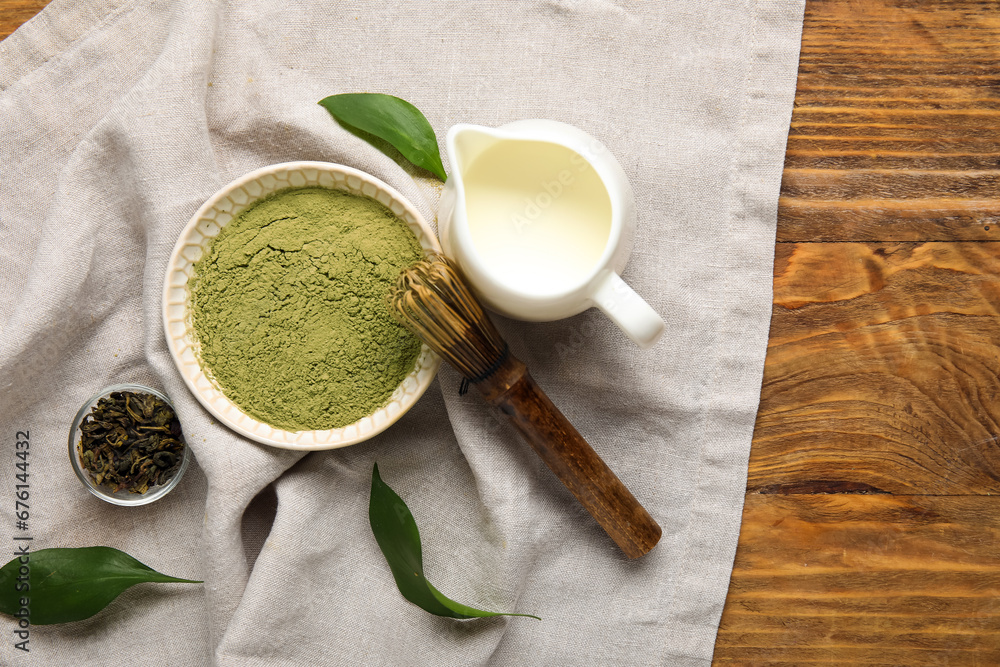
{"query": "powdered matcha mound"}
(289, 308)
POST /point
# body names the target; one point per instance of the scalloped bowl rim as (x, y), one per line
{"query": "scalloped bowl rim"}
(196, 237)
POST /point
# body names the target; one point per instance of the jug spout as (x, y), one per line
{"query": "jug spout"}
(467, 142)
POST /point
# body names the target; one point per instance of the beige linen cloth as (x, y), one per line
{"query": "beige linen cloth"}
(120, 117)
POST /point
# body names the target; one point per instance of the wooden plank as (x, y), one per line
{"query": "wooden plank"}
(881, 373)
(894, 131)
(13, 13)
(861, 579)
(882, 370)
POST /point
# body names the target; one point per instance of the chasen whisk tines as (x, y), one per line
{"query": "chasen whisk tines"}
(432, 300)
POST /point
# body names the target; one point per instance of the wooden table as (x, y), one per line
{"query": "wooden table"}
(15, 12)
(871, 525)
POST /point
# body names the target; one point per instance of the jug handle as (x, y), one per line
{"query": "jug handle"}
(624, 307)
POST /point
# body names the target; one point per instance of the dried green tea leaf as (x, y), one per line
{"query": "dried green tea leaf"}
(65, 585)
(131, 440)
(393, 119)
(397, 536)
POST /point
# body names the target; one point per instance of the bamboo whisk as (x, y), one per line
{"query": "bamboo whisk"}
(432, 300)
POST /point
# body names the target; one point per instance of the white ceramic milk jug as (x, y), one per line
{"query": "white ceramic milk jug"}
(540, 217)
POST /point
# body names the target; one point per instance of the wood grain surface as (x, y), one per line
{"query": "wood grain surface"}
(15, 12)
(872, 517)
(847, 579)
(872, 520)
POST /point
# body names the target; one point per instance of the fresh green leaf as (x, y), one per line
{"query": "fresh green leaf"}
(398, 538)
(392, 119)
(71, 584)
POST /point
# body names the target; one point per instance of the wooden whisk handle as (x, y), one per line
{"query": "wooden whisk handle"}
(576, 464)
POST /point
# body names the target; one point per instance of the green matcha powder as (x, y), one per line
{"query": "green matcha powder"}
(289, 308)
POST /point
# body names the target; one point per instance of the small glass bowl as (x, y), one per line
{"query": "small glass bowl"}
(123, 497)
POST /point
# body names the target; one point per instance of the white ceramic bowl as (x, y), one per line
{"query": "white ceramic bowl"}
(195, 240)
